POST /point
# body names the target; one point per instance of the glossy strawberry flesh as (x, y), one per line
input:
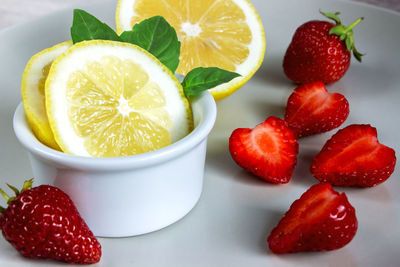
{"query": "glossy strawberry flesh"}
(311, 109)
(268, 151)
(44, 223)
(321, 219)
(316, 55)
(354, 157)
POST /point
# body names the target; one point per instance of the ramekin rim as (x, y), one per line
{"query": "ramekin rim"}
(199, 133)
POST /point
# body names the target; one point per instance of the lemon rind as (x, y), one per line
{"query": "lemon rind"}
(39, 125)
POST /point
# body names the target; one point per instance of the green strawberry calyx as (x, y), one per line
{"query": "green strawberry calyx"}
(345, 33)
(27, 185)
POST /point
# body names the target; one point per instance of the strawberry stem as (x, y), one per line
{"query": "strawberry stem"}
(13, 188)
(333, 16)
(351, 26)
(7, 197)
(27, 185)
(357, 54)
(345, 33)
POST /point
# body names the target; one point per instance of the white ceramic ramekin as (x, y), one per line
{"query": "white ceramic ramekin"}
(133, 195)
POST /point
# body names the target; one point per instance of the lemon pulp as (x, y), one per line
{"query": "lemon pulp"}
(214, 33)
(114, 101)
(107, 99)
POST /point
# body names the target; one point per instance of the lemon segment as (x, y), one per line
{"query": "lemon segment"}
(33, 95)
(108, 99)
(214, 33)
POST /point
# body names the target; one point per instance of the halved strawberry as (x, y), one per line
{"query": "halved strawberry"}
(311, 109)
(269, 150)
(354, 157)
(322, 219)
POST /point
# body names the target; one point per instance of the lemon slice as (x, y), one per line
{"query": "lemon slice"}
(214, 33)
(32, 90)
(107, 99)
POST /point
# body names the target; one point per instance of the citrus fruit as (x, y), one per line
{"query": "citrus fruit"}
(107, 99)
(227, 34)
(33, 96)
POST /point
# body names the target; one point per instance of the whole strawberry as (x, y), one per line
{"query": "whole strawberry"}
(320, 51)
(320, 220)
(42, 222)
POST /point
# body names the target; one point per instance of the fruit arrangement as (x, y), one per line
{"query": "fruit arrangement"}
(99, 95)
(322, 219)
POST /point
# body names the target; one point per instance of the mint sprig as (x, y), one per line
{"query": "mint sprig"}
(87, 27)
(201, 79)
(159, 38)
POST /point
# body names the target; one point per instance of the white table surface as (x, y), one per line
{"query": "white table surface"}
(18, 11)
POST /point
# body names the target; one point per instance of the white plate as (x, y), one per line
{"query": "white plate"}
(236, 212)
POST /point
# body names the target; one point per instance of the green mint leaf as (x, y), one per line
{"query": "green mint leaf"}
(87, 27)
(201, 79)
(157, 37)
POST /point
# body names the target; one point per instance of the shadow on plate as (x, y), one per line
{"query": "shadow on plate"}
(264, 109)
(302, 175)
(274, 217)
(271, 72)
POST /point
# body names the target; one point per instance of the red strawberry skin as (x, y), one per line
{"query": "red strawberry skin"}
(320, 220)
(311, 109)
(43, 223)
(316, 55)
(269, 150)
(354, 157)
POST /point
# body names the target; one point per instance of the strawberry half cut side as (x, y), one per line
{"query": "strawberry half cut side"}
(311, 109)
(321, 220)
(354, 157)
(269, 150)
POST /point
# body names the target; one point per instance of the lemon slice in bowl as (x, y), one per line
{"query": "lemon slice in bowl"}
(33, 95)
(107, 99)
(226, 33)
